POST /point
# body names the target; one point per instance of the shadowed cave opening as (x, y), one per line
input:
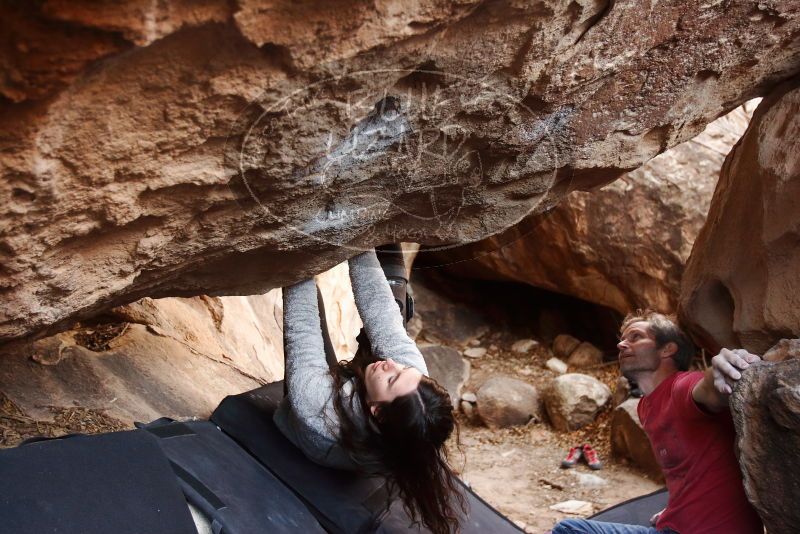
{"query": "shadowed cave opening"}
(516, 309)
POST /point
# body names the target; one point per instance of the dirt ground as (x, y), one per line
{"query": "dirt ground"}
(517, 470)
(17, 426)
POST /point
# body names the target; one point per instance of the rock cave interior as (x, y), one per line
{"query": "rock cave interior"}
(549, 167)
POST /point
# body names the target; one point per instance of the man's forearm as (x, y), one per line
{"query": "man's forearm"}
(707, 396)
(726, 368)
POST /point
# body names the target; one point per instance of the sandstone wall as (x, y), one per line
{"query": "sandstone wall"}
(174, 357)
(227, 148)
(623, 246)
(741, 286)
(766, 411)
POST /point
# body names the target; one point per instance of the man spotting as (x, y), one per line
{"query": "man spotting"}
(685, 414)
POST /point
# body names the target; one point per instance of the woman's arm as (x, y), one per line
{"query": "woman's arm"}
(380, 314)
(308, 380)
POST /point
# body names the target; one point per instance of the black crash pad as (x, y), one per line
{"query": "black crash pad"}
(636, 511)
(119, 482)
(237, 493)
(342, 501)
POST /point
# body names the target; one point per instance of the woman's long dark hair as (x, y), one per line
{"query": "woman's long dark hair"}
(404, 442)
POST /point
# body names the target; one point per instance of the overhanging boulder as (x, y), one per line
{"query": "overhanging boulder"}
(624, 245)
(766, 410)
(230, 148)
(741, 285)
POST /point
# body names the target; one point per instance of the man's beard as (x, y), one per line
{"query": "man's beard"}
(632, 374)
(637, 370)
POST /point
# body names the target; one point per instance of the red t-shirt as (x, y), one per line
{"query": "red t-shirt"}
(695, 451)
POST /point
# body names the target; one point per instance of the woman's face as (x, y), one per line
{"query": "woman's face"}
(385, 380)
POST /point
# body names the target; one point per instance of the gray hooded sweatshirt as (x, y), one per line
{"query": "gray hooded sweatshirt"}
(306, 415)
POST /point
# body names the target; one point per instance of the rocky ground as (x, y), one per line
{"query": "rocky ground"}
(16, 425)
(517, 469)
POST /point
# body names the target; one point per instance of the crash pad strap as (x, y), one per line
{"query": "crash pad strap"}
(202, 490)
(119, 482)
(169, 429)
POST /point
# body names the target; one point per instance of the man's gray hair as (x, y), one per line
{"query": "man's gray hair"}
(665, 329)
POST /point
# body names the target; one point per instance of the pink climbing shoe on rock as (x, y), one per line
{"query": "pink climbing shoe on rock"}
(590, 455)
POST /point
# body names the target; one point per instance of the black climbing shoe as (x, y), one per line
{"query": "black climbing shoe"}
(394, 268)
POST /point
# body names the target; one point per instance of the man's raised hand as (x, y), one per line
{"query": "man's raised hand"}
(727, 367)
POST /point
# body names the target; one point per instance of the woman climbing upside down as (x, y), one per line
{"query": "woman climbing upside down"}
(378, 413)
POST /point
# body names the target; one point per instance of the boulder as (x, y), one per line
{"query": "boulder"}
(622, 391)
(623, 246)
(766, 411)
(475, 352)
(448, 368)
(783, 350)
(146, 372)
(446, 318)
(523, 346)
(629, 440)
(174, 357)
(749, 296)
(235, 147)
(574, 507)
(556, 365)
(564, 344)
(504, 401)
(585, 355)
(573, 400)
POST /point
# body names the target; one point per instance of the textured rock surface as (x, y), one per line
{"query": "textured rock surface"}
(622, 390)
(448, 368)
(585, 355)
(475, 352)
(766, 410)
(170, 357)
(741, 286)
(623, 246)
(556, 365)
(504, 401)
(564, 345)
(629, 440)
(573, 400)
(184, 148)
(783, 350)
(523, 346)
(445, 317)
